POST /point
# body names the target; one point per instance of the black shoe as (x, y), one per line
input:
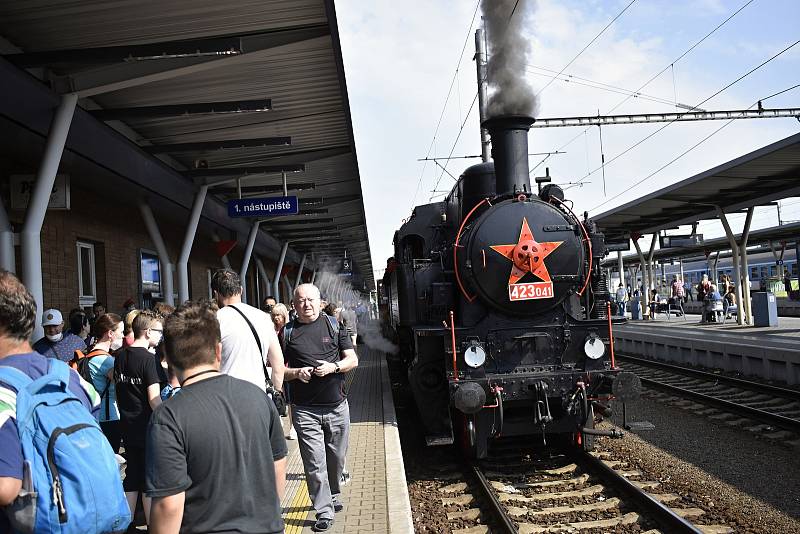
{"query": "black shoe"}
(322, 525)
(337, 506)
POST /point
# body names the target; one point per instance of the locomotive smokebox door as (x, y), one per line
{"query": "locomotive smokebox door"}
(524, 257)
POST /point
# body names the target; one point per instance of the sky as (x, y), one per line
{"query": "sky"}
(400, 59)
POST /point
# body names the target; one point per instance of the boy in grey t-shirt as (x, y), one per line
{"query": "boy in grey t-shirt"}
(208, 467)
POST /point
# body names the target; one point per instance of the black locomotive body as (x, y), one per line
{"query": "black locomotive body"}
(497, 300)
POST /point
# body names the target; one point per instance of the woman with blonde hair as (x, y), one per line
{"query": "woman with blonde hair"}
(280, 316)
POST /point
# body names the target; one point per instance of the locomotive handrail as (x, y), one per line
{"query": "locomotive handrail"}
(456, 245)
(586, 237)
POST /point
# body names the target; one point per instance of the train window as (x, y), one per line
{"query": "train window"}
(793, 268)
(413, 247)
(773, 270)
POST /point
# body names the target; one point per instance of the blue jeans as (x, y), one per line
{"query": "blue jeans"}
(621, 307)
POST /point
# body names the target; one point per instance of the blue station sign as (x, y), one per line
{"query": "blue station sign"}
(263, 207)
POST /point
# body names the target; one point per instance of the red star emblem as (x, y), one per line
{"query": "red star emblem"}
(527, 255)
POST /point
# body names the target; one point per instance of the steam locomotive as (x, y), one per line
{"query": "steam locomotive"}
(500, 307)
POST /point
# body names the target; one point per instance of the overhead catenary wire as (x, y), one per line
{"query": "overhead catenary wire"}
(655, 76)
(446, 100)
(596, 37)
(593, 84)
(704, 139)
(666, 125)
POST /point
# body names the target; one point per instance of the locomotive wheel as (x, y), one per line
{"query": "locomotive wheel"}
(470, 438)
(587, 441)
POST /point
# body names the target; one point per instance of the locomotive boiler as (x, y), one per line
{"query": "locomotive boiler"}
(500, 307)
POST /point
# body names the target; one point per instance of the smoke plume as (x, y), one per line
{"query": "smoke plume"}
(508, 49)
(338, 290)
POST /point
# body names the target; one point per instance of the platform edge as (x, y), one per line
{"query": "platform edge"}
(398, 502)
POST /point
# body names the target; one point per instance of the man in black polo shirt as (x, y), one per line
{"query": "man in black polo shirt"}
(318, 353)
(216, 455)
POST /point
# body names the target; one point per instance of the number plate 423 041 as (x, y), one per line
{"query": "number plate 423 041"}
(530, 291)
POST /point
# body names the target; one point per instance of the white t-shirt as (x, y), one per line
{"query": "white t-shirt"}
(240, 357)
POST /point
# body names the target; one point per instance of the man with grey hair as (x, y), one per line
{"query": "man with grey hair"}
(319, 353)
(248, 336)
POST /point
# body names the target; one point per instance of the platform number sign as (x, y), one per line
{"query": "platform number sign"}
(263, 207)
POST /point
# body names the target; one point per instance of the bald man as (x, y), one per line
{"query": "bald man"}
(319, 353)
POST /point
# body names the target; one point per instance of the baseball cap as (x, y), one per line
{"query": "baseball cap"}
(52, 317)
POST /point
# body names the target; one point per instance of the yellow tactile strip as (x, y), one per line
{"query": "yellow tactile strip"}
(365, 498)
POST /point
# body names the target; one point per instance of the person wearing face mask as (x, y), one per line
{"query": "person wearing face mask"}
(138, 394)
(108, 330)
(56, 343)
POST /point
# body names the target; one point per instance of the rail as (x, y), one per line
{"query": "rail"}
(505, 523)
(786, 423)
(662, 513)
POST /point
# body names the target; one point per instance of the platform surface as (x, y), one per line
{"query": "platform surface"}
(376, 499)
(787, 331)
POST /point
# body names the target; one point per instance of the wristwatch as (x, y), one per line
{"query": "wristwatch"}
(337, 368)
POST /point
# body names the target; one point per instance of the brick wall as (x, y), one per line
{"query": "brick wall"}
(116, 229)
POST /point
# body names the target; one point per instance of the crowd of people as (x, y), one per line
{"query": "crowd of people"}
(715, 298)
(189, 401)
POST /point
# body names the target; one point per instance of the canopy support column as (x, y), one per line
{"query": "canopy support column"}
(746, 305)
(167, 291)
(188, 241)
(30, 240)
(248, 253)
(644, 297)
(264, 278)
(736, 266)
(299, 279)
(7, 259)
(276, 280)
(620, 268)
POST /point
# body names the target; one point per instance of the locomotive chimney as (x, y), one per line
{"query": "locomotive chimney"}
(510, 152)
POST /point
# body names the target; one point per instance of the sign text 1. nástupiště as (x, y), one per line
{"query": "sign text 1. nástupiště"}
(263, 207)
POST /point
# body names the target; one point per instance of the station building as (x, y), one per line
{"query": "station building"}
(126, 132)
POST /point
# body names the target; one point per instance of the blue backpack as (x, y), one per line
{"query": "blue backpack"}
(76, 484)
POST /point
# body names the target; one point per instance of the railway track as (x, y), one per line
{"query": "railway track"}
(522, 493)
(760, 407)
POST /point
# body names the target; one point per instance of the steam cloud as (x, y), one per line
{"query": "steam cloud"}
(508, 49)
(336, 289)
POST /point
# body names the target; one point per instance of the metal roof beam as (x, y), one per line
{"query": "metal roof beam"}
(223, 175)
(251, 190)
(202, 146)
(176, 110)
(328, 201)
(162, 61)
(269, 222)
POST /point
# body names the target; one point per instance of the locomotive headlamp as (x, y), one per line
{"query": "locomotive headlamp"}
(593, 347)
(475, 356)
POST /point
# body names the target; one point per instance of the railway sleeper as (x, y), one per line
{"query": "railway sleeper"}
(478, 529)
(567, 469)
(458, 487)
(586, 492)
(470, 514)
(628, 519)
(576, 481)
(461, 500)
(600, 506)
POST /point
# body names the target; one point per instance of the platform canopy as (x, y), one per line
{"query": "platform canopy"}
(777, 235)
(765, 175)
(202, 92)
